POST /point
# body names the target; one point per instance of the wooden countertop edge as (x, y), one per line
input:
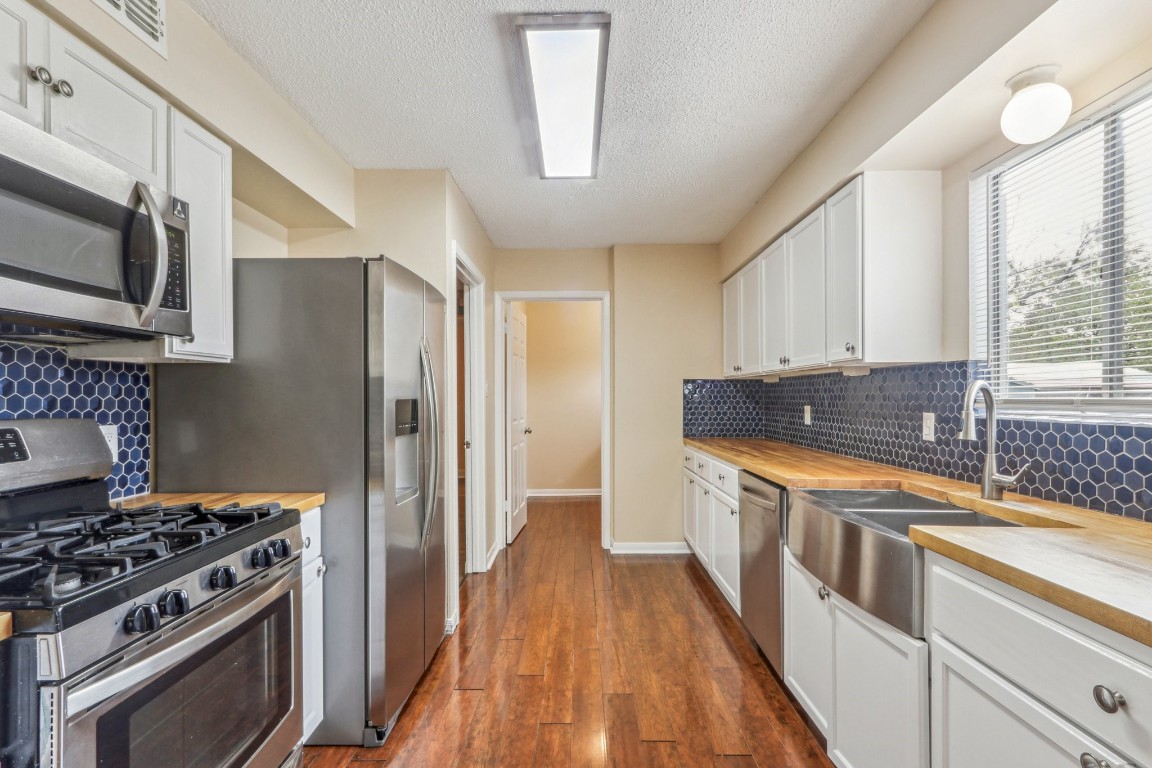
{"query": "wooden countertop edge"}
(302, 501)
(5, 626)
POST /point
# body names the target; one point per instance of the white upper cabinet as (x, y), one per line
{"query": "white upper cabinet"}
(99, 108)
(23, 48)
(774, 315)
(732, 327)
(843, 222)
(805, 292)
(742, 308)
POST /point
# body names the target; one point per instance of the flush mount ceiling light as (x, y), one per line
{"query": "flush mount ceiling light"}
(564, 58)
(1039, 107)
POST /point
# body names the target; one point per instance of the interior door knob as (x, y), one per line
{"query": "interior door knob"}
(527, 430)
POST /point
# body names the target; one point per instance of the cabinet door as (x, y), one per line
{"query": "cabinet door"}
(732, 326)
(689, 482)
(312, 623)
(704, 524)
(110, 114)
(979, 718)
(750, 307)
(774, 309)
(808, 661)
(806, 341)
(23, 47)
(844, 253)
(726, 548)
(201, 175)
(880, 695)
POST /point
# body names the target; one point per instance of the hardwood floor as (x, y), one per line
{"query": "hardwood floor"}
(568, 656)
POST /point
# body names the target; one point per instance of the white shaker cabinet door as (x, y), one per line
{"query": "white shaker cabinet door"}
(732, 326)
(201, 172)
(704, 525)
(109, 114)
(689, 483)
(808, 642)
(806, 340)
(774, 309)
(844, 261)
(313, 644)
(751, 305)
(23, 48)
(726, 549)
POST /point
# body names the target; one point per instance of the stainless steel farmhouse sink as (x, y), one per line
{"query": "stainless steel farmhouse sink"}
(856, 542)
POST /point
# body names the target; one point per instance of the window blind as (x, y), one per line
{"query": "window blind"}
(1061, 278)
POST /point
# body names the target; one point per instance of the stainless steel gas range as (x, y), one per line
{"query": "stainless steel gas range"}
(159, 636)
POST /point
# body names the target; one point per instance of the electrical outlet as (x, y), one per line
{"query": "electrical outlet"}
(929, 430)
(112, 438)
(807, 414)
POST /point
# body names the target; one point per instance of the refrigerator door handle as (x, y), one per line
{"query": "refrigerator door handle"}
(434, 468)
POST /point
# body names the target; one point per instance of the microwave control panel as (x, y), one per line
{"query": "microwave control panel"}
(176, 289)
(12, 447)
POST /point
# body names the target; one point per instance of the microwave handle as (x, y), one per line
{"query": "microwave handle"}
(160, 246)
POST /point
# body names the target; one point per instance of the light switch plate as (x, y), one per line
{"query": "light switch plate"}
(807, 414)
(929, 430)
(112, 438)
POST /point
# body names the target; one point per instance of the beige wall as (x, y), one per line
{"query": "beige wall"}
(564, 395)
(255, 236)
(587, 269)
(952, 39)
(301, 174)
(666, 317)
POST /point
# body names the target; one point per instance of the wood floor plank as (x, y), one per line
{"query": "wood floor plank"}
(554, 746)
(628, 648)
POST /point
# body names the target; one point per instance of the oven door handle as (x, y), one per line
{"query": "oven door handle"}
(104, 688)
(160, 245)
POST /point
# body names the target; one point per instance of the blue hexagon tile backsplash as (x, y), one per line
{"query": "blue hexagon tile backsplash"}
(879, 417)
(42, 383)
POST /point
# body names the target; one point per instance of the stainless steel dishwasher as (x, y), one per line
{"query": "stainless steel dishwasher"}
(761, 564)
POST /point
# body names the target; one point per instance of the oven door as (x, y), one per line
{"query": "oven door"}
(223, 691)
(85, 248)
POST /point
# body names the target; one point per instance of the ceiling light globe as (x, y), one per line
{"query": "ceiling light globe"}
(1036, 112)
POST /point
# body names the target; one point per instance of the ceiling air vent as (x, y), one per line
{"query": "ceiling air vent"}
(143, 18)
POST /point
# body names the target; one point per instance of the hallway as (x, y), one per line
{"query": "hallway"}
(566, 655)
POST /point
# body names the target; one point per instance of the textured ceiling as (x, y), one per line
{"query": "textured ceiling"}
(706, 102)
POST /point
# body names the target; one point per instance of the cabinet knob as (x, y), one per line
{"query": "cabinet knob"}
(40, 75)
(307, 542)
(700, 465)
(781, 361)
(691, 482)
(733, 512)
(721, 478)
(527, 430)
(850, 348)
(1108, 700)
(64, 88)
(1088, 760)
(705, 491)
(323, 569)
(823, 592)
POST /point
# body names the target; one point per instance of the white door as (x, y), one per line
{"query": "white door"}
(201, 175)
(109, 114)
(750, 304)
(23, 48)
(732, 326)
(845, 240)
(704, 525)
(726, 549)
(774, 312)
(806, 342)
(689, 483)
(808, 642)
(518, 429)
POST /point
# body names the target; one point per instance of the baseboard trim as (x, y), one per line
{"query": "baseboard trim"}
(650, 548)
(451, 623)
(492, 555)
(534, 493)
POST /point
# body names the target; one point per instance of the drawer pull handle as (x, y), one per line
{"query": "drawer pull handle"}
(700, 466)
(721, 478)
(1108, 700)
(823, 592)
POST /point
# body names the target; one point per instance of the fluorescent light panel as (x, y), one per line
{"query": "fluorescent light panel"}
(564, 57)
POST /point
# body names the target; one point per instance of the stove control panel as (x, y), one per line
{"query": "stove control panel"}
(12, 447)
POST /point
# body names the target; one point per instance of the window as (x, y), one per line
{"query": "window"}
(1062, 268)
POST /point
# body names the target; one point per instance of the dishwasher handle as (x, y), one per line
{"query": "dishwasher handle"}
(756, 498)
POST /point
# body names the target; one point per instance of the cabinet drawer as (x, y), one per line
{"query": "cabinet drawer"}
(725, 477)
(1055, 664)
(310, 534)
(689, 459)
(702, 466)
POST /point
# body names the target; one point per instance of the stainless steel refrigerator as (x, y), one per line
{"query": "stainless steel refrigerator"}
(336, 386)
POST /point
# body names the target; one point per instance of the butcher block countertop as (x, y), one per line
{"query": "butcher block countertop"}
(300, 501)
(1095, 565)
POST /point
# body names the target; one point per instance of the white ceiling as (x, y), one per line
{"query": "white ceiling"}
(706, 102)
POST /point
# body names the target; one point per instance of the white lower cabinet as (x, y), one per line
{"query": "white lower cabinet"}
(704, 524)
(725, 568)
(689, 482)
(862, 682)
(808, 647)
(312, 621)
(880, 693)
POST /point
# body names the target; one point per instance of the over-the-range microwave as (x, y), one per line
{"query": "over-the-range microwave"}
(87, 252)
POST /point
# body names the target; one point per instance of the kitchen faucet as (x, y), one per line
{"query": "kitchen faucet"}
(992, 483)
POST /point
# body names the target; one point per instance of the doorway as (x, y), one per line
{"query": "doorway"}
(553, 401)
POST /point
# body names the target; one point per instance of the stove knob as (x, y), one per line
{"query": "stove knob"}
(262, 557)
(224, 577)
(143, 618)
(174, 602)
(282, 548)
